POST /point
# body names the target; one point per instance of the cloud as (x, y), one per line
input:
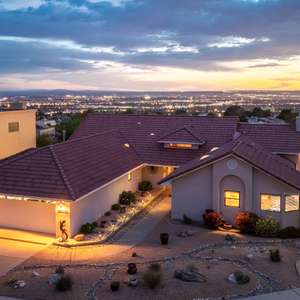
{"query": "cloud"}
(202, 36)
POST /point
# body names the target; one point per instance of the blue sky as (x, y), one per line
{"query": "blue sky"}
(150, 44)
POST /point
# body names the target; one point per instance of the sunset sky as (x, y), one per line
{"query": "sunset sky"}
(150, 44)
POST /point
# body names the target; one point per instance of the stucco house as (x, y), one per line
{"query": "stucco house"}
(208, 162)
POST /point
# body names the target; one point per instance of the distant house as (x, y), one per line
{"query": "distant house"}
(17, 131)
(210, 163)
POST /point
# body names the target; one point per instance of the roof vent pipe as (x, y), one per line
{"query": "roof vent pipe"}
(298, 123)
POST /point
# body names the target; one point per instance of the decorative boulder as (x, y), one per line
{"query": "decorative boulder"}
(79, 237)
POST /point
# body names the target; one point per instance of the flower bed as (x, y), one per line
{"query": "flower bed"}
(111, 222)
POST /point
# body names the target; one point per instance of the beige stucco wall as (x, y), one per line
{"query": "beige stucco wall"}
(204, 189)
(27, 215)
(192, 194)
(14, 142)
(97, 203)
(154, 175)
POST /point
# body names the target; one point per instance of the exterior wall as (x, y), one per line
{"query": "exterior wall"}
(93, 206)
(27, 215)
(17, 141)
(192, 194)
(204, 189)
(153, 174)
(266, 184)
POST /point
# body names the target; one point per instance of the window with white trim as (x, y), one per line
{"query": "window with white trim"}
(270, 202)
(291, 203)
(232, 198)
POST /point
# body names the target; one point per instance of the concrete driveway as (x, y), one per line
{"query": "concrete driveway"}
(17, 246)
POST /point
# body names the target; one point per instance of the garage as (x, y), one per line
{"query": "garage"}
(28, 215)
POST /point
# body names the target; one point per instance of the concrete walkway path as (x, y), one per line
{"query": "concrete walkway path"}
(293, 294)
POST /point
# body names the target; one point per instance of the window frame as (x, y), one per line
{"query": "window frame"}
(287, 211)
(231, 191)
(272, 211)
(14, 123)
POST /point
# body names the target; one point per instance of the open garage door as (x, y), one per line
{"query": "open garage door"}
(27, 215)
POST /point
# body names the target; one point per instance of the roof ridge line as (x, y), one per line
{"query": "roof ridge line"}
(62, 173)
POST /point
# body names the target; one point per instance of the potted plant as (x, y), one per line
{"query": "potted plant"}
(132, 269)
(114, 286)
(164, 238)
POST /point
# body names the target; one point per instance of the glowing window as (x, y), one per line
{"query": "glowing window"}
(291, 203)
(13, 126)
(129, 176)
(232, 198)
(270, 202)
(179, 146)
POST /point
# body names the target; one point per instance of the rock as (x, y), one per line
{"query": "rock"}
(231, 278)
(54, 278)
(133, 282)
(79, 237)
(35, 274)
(230, 238)
(249, 256)
(298, 267)
(19, 284)
(189, 276)
(134, 254)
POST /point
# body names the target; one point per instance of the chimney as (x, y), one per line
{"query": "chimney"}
(298, 123)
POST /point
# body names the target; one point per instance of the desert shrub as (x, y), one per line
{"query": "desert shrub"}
(145, 186)
(212, 219)
(152, 278)
(107, 214)
(186, 220)
(60, 270)
(246, 221)
(65, 283)
(241, 278)
(267, 227)
(88, 227)
(127, 197)
(275, 255)
(115, 206)
(155, 267)
(289, 233)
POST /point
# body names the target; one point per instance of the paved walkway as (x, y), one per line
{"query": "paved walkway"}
(293, 294)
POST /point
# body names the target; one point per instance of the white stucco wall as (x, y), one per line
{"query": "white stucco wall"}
(97, 203)
(192, 194)
(27, 215)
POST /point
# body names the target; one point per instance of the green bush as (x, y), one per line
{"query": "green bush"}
(127, 197)
(88, 228)
(115, 206)
(65, 283)
(246, 221)
(289, 233)
(267, 227)
(186, 220)
(152, 278)
(145, 186)
(155, 267)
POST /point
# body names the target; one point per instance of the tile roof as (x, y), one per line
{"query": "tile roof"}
(278, 138)
(68, 170)
(246, 149)
(144, 131)
(182, 135)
